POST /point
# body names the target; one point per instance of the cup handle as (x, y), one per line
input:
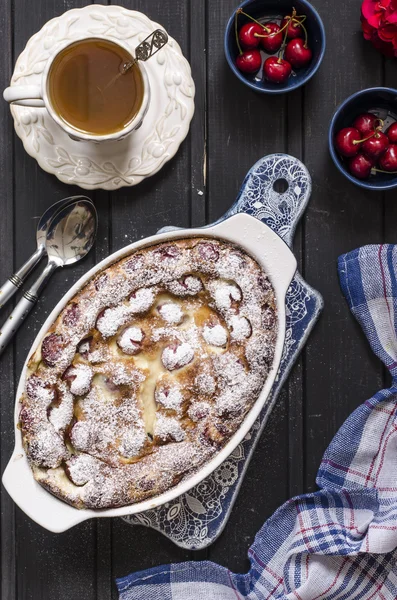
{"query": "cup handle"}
(24, 95)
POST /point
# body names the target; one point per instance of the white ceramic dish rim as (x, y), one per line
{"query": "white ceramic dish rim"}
(277, 260)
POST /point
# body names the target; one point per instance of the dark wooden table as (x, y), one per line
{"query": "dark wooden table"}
(232, 128)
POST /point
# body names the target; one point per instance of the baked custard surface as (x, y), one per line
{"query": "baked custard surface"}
(147, 372)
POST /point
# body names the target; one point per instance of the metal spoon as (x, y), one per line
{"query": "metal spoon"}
(70, 236)
(13, 283)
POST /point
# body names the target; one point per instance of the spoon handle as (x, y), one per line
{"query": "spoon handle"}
(151, 45)
(13, 283)
(24, 306)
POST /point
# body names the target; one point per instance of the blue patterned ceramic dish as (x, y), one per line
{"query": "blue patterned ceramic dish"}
(196, 519)
(382, 102)
(277, 9)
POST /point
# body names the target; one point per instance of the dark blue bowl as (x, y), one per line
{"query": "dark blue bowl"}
(382, 102)
(269, 9)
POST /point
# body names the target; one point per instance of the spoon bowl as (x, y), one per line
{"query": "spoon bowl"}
(72, 233)
(49, 214)
(70, 236)
(13, 283)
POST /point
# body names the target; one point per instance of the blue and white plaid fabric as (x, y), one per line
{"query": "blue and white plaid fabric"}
(338, 543)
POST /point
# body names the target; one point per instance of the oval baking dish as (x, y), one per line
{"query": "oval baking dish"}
(278, 262)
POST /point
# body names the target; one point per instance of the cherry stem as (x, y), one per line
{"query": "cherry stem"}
(281, 51)
(236, 32)
(303, 27)
(305, 30)
(241, 12)
(275, 32)
(376, 131)
(381, 171)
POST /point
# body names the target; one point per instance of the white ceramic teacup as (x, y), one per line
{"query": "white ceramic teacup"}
(38, 96)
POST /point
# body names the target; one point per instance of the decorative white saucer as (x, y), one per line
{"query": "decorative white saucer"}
(108, 165)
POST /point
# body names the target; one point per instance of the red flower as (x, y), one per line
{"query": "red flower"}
(371, 13)
(379, 24)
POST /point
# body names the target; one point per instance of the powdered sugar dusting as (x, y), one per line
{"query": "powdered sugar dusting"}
(47, 448)
(171, 312)
(113, 318)
(241, 328)
(142, 300)
(177, 356)
(39, 391)
(199, 410)
(170, 398)
(216, 336)
(187, 286)
(224, 293)
(133, 441)
(193, 284)
(168, 427)
(104, 423)
(82, 379)
(205, 383)
(61, 415)
(130, 339)
(81, 468)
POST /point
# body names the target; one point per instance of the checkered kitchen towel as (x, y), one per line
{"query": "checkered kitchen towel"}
(338, 543)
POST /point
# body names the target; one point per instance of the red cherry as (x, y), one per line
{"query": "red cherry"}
(388, 162)
(344, 141)
(297, 53)
(366, 123)
(360, 166)
(71, 315)
(294, 28)
(376, 145)
(208, 251)
(52, 348)
(272, 42)
(249, 61)
(247, 37)
(167, 252)
(392, 133)
(277, 70)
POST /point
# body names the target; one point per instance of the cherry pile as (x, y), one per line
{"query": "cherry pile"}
(367, 148)
(287, 38)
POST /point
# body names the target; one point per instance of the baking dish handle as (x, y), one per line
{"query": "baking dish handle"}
(261, 241)
(43, 508)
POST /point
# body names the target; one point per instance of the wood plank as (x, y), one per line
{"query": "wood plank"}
(294, 386)
(7, 383)
(341, 371)
(197, 56)
(58, 558)
(390, 207)
(389, 197)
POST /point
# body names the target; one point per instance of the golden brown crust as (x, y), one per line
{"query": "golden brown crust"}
(147, 372)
